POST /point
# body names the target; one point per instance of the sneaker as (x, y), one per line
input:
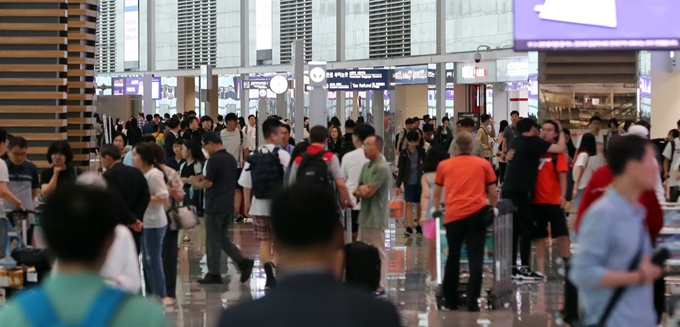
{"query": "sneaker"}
(419, 230)
(515, 273)
(246, 268)
(271, 279)
(408, 231)
(210, 279)
(186, 239)
(526, 274)
(239, 218)
(380, 295)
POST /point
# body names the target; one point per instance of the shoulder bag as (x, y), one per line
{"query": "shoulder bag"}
(184, 217)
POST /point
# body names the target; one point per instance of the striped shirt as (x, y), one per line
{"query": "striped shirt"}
(220, 169)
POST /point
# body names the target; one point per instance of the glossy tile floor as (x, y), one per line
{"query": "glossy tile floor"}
(532, 305)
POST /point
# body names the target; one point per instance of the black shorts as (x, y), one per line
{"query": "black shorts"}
(553, 214)
(238, 176)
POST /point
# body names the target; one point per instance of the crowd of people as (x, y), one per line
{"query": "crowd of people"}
(157, 164)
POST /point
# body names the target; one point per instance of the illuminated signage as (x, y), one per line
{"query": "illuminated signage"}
(131, 30)
(474, 72)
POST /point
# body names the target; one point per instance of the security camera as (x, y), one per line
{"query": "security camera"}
(478, 57)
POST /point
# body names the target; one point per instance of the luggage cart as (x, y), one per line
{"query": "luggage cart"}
(497, 268)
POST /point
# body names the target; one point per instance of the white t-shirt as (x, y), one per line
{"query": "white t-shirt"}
(583, 160)
(672, 181)
(4, 178)
(262, 207)
(598, 160)
(154, 216)
(232, 143)
(251, 131)
(351, 166)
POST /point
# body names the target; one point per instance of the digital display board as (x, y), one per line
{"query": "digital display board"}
(131, 30)
(541, 25)
(135, 86)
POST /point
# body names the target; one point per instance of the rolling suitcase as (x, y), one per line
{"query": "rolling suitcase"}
(362, 261)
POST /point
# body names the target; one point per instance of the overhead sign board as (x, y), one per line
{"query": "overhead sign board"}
(472, 73)
(317, 73)
(358, 80)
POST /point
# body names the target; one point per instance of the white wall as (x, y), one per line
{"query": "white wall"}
(356, 29)
(228, 33)
(166, 35)
(665, 99)
(470, 23)
(424, 27)
(324, 41)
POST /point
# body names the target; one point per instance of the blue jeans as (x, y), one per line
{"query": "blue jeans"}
(152, 245)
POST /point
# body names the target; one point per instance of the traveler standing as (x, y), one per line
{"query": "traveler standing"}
(272, 171)
(550, 198)
(613, 269)
(510, 132)
(523, 157)
(220, 125)
(155, 219)
(64, 299)
(62, 172)
(347, 141)
(175, 161)
(352, 164)
(171, 136)
(237, 143)
(23, 180)
(335, 140)
(601, 140)
(486, 136)
(502, 165)
(468, 181)
(410, 169)
(671, 154)
(5, 194)
(583, 167)
(251, 130)
(192, 133)
(432, 160)
(373, 190)
(444, 134)
(401, 142)
(131, 186)
(219, 182)
(285, 141)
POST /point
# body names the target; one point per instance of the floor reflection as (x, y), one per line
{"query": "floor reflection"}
(200, 305)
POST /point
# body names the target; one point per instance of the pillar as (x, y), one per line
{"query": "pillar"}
(378, 112)
(186, 93)
(245, 97)
(460, 100)
(441, 91)
(82, 28)
(33, 79)
(355, 105)
(501, 110)
(665, 100)
(281, 103)
(212, 108)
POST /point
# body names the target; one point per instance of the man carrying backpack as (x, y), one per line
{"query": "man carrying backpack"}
(237, 144)
(263, 176)
(79, 296)
(320, 167)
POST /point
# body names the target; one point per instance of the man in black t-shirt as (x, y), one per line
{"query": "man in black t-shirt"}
(523, 157)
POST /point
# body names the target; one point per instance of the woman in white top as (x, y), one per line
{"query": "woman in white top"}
(155, 220)
(582, 172)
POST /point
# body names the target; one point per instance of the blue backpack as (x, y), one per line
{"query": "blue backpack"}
(39, 311)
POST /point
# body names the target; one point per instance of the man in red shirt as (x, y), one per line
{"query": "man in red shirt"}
(548, 207)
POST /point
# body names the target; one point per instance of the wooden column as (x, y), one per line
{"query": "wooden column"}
(82, 28)
(33, 72)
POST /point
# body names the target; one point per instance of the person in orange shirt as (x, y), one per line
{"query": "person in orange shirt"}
(468, 180)
(549, 198)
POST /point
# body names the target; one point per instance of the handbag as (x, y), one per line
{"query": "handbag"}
(184, 217)
(619, 291)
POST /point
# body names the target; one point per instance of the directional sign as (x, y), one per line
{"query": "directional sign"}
(263, 93)
(317, 73)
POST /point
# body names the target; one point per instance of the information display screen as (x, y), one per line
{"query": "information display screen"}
(542, 25)
(135, 86)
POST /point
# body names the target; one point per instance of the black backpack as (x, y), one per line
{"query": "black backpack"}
(266, 173)
(314, 170)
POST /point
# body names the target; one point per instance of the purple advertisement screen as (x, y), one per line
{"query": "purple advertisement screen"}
(596, 24)
(135, 86)
(645, 86)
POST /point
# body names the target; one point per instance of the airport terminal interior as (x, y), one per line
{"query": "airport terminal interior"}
(159, 86)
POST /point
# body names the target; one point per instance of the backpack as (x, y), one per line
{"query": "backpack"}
(158, 139)
(266, 172)
(39, 312)
(570, 177)
(314, 170)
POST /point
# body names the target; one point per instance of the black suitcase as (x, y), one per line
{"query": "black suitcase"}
(362, 265)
